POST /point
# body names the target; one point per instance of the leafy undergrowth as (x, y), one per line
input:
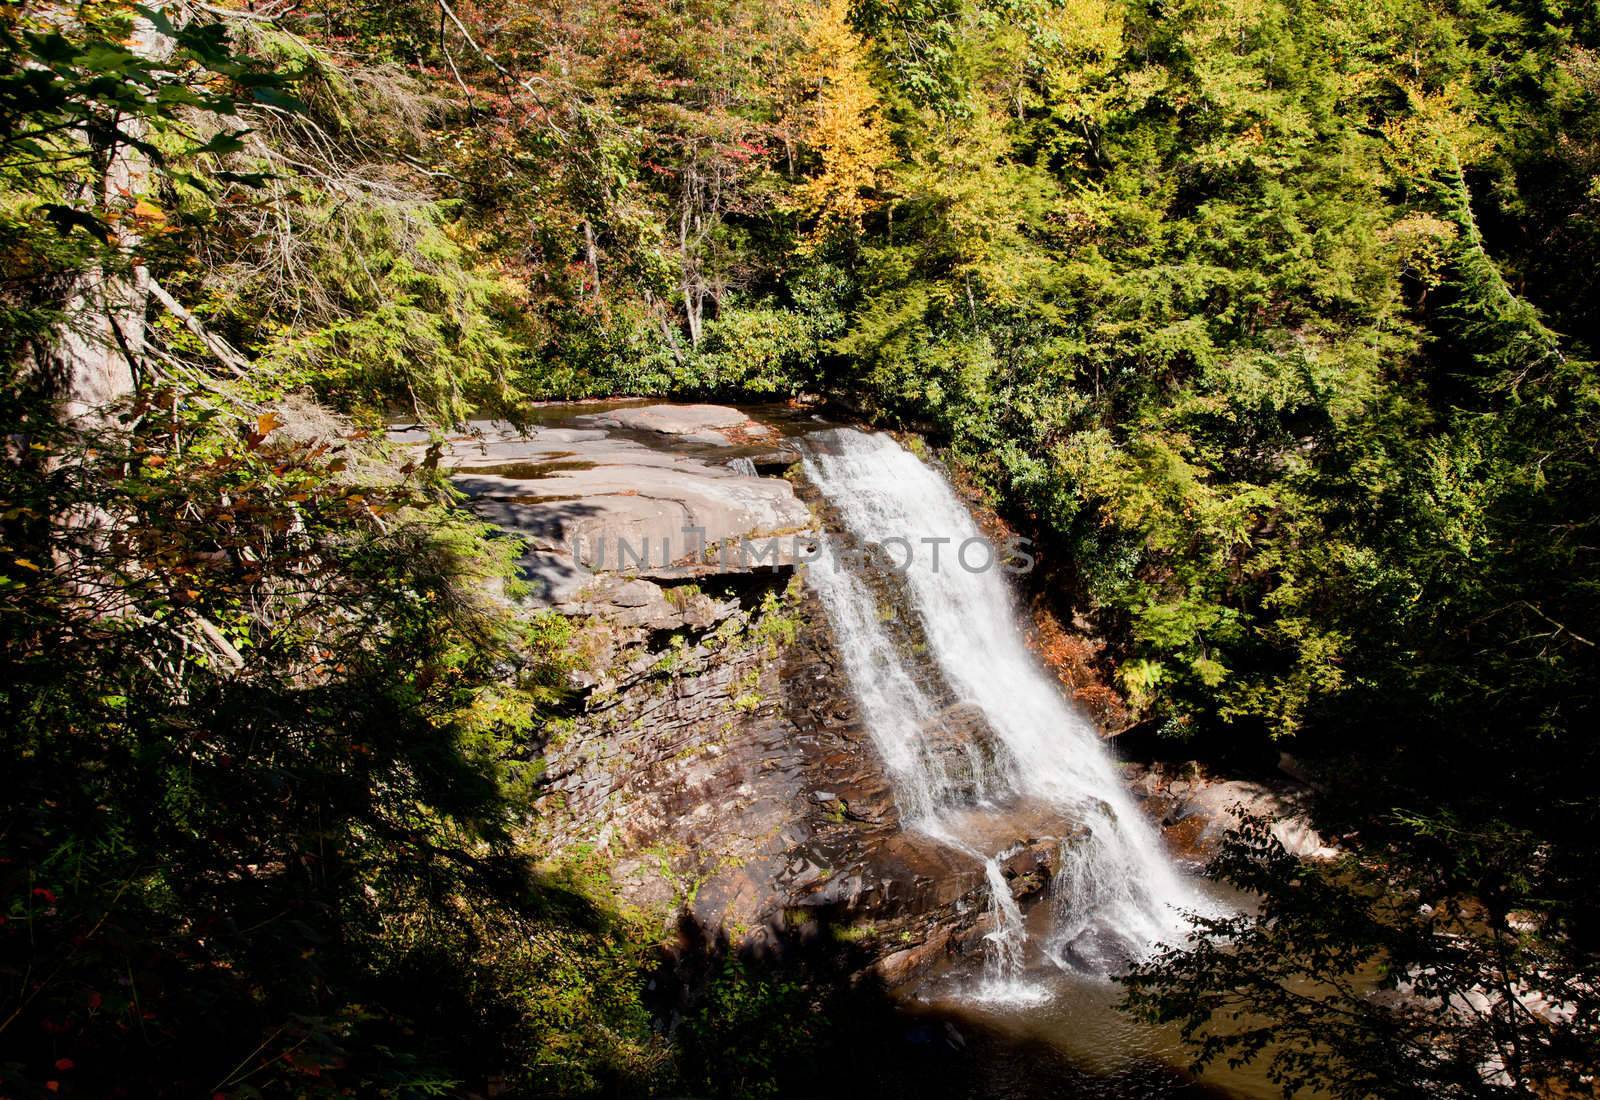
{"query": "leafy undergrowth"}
(262, 722)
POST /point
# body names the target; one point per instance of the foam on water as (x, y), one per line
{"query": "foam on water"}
(1115, 894)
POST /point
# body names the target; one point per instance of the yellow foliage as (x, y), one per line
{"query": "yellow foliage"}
(1089, 33)
(1438, 132)
(1422, 242)
(847, 129)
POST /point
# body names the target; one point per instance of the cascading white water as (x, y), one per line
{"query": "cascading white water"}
(1116, 894)
(1002, 966)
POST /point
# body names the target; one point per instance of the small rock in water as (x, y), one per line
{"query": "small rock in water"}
(824, 796)
(957, 1040)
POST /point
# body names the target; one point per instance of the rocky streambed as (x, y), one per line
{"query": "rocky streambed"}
(718, 763)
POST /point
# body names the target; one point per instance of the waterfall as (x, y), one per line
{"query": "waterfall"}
(744, 466)
(1004, 961)
(1115, 893)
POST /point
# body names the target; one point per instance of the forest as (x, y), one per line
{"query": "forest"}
(1273, 323)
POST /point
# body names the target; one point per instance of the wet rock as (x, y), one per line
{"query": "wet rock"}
(842, 891)
(1032, 858)
(963, 754)
(1031, 866)
(801, 871)
(869, 798)
(730, 788)
(968, 937)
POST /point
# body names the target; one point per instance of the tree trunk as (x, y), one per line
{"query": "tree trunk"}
(103, 337)
(591, 254)
(690, 285)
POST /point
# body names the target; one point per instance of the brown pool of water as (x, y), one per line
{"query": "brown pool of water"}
(1082, 1045)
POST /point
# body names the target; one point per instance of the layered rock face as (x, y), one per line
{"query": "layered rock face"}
(717, 763)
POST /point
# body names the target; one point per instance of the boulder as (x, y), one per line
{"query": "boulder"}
(695, 423)
(1217, 804)
(1033, 860)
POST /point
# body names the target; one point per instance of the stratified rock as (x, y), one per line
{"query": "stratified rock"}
(901, 966)
(588, 501)
(630, 602)
(773, 462)
(729, 780)
(962, 754)
(624, 514)
(616, 504)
